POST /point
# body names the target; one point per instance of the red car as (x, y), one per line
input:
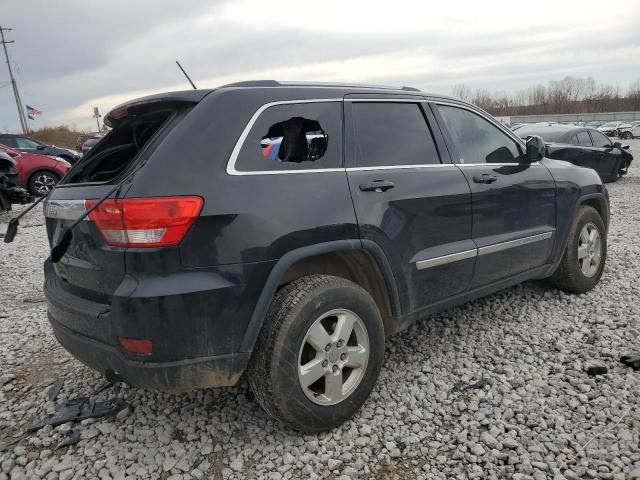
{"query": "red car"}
(37, 173)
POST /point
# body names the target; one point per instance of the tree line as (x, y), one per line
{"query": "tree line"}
(569, 95)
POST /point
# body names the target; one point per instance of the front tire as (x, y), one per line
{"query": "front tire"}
(319, 353)
(584, 257)
(627, 136)
(42, 182)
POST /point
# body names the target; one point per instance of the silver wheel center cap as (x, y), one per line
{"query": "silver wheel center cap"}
(333, 356)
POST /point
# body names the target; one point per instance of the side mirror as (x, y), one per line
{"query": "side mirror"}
(39, 147)
(535, 149)
(625, 147)
(617, 145)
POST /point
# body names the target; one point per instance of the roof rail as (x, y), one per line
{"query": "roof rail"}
(275, 83)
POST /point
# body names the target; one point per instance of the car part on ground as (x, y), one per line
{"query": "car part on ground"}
(378, 177)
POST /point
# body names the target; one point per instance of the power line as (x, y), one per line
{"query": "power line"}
(16, 94)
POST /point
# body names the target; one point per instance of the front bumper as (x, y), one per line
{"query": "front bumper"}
(182, 375)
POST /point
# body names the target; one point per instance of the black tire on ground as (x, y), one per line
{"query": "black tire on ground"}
(35, 181)
(627, 135)
(569, 276)
(273, 370)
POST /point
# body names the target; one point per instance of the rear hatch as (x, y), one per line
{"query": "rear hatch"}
(88, 275)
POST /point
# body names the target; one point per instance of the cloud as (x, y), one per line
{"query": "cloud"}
(75, 55)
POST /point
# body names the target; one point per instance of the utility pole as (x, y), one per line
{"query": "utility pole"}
(23, 118)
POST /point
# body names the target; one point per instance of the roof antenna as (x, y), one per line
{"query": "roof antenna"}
(185, 74)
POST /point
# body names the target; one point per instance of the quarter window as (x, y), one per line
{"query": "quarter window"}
(299, 136)
(477, 140)
(584, 140)
(599, 139)
(390, 134)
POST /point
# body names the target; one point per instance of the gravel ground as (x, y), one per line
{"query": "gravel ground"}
(534, 414)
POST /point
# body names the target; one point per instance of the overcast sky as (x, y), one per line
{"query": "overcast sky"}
(72, 55)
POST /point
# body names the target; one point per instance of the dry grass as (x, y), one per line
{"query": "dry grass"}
(61, 136)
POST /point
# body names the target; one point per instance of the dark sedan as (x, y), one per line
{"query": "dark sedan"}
(585, 147)
(31, 145)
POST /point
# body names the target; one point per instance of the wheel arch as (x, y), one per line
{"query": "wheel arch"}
(362, 262)
(599, 202)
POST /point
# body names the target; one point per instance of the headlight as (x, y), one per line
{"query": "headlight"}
(63, 161)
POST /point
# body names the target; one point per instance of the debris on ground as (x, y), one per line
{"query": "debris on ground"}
(80, 408)
(460, 386)
(54, 391)
(594, 370)
(72, 438)
(632, 360)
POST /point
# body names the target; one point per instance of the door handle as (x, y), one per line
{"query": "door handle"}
(484, 178)
(377, 186)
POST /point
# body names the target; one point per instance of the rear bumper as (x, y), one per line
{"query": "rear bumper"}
(183, 375)
(195, 319)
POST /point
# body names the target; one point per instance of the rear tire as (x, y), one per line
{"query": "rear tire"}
(627, 136)
(41, 182)
(585, 255)
(319, 353)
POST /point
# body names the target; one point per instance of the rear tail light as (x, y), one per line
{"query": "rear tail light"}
(138, 346)
(145, 222)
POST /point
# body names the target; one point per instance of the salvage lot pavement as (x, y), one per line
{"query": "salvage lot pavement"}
(495, 388)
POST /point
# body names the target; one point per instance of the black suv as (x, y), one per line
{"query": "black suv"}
(283, 230)
(31, 145)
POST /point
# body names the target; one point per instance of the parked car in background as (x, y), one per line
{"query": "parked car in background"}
(594, 124)
(586, 147)
(611, 129)
(37, 173)
(89, 143)
(10, 192)
(31, 145)
(84, 137)
(339, 215)
(630, 131)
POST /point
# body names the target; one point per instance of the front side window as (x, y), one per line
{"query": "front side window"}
(387, 134)
(26, 143)
(477, 140)
(584, 140)
(299, 136)
(600, 140)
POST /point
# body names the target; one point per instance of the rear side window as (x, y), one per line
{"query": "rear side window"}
(477, 140)
(599, 139)
(583, 139)
(299, 136)
(390, 134)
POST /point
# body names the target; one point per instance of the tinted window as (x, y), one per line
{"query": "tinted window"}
(294, 137)
(477, 140)
(599, 139)
(390, 134)
(583, 139)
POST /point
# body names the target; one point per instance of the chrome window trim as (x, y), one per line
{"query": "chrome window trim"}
(505, 164)
(389, 100)
(443, 260)
(399, 167)
(231, 164)
(64, 209)
(498, 247)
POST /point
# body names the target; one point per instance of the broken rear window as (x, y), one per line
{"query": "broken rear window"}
(294, 137)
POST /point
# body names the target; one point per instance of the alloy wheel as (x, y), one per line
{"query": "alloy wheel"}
(44, 183)
(333, 357)
(589, 250)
